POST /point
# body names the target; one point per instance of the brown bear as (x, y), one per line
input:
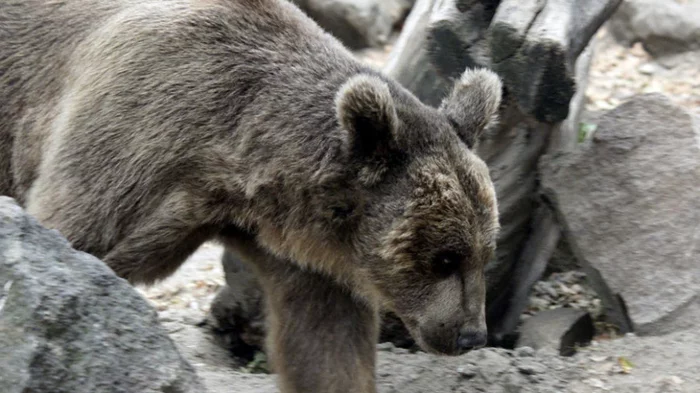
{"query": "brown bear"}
(141, 128)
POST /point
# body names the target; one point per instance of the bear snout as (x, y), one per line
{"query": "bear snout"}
(453, 338)
(469, 340)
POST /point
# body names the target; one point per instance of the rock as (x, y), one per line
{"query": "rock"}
(646, 69)
(492, 366)
(525, 352)
(565, 289)
(531, 368)
(561, 329)
(664, 27)
(68, 324)
(628, 202)
(195, 341)
(469, 371)
(357, 23)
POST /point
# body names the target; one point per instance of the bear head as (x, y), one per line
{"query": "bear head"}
(428, 219)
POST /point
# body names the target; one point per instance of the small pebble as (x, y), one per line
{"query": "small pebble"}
(596, 383)
(549, 289)
(468, 371)
(646, 69)
(531, 368)
(525, 352)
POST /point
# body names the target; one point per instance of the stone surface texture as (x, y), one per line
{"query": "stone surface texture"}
(561, 329)
(628, 201)
(69, 325)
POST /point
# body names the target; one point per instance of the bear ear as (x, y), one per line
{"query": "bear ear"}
(365, 109)
(473, 104)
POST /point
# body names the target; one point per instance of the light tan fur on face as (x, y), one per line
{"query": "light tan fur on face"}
(449, 210)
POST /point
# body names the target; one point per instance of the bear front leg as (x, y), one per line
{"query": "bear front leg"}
(321, 338)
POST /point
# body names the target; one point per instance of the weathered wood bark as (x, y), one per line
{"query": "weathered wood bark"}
(536, 47)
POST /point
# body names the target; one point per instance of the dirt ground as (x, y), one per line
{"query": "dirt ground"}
(627, 365)
(630, 364)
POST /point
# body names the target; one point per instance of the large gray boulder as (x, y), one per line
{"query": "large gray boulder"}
(629, 202)
(69, 325)
(664, 27)
(561, 329)
(357, 23)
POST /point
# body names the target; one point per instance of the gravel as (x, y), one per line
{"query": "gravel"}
(618, 73)
(567, 289)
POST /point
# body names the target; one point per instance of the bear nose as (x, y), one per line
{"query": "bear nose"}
(471, 340)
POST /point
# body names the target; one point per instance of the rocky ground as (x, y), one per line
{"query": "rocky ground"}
(627, 365)
(618, 73)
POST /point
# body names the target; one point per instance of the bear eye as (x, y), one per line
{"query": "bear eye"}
(446, 263)
(342, 211)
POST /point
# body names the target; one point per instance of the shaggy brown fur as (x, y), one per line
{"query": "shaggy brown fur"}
(142, 128)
